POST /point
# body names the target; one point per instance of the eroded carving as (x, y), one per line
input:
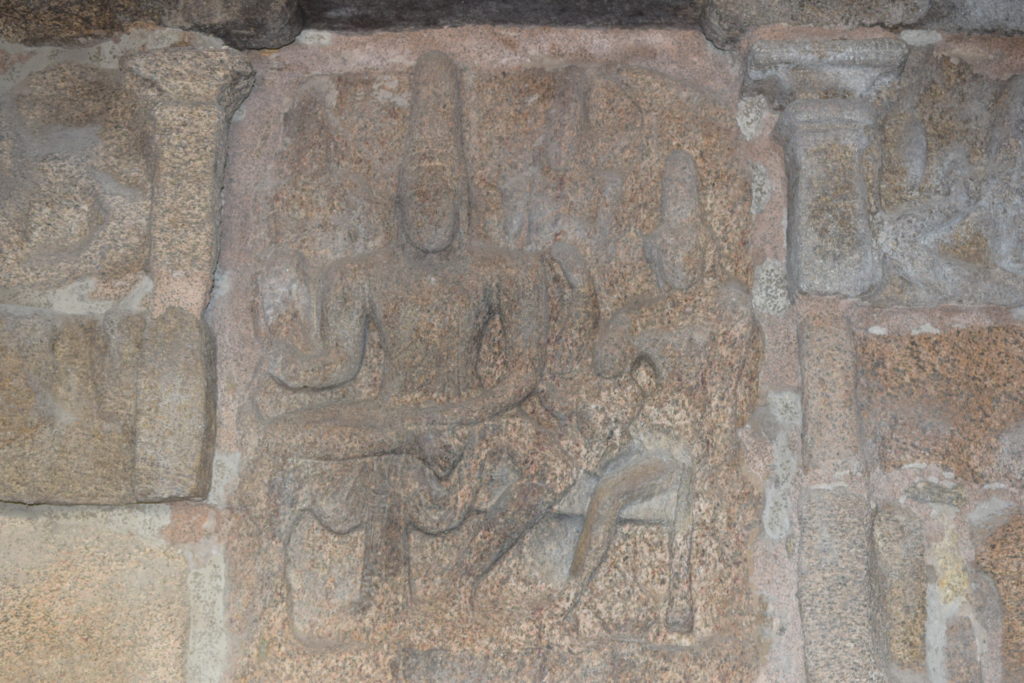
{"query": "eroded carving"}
(108, 367)
(431, 295)
(674, 335)
(826, 128)
(950, 217)
(901, 185)
(501, 418)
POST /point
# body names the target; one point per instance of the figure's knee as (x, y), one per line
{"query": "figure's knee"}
(554, 465)
(534, 453)
(637, 481)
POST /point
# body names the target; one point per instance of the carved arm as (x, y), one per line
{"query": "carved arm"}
(522, 306)
(338, 357)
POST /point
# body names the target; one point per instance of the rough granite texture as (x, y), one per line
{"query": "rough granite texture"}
(1002, 556)
(508, 353)
(557, 495)
(899, 549)
(954, 399)
(111, 159)
(90, 596)
(962, 652)
(256, 24)
(837, 598)
(251, 24)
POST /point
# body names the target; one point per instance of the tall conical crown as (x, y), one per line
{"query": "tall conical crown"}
(435, 121)
(432, 183)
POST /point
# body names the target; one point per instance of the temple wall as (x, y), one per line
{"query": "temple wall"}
(683, 348)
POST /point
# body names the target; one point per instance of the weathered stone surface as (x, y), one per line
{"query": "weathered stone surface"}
(1003, 16)
(787, 70)
(782, 423)
(255, 24)
(568, 475)
(486, 351)
(112, 157)
(1002, 556)
(27, 21)
(899, 550)
(190, 94)
(837, 598)
(245, 24)
(917, 207)
(828, 364)
(953, 399)
(831, 250)
(174, 425)
(241, 23)
(724, 21)
(68, 422)
(90, 595)
(961, 652)
(826, 129)
(950, 216)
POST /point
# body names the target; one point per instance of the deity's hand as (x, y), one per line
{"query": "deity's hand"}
(440, 450)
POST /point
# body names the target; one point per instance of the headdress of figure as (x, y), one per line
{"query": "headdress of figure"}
(433, 193)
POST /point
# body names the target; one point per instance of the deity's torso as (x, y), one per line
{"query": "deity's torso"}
(432, 315)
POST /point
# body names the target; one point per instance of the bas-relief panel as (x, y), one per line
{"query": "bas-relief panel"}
(501, 345)
(109, 160)
(949, 218)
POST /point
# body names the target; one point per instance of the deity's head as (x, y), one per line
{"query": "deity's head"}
(433, 192)
(675, 251)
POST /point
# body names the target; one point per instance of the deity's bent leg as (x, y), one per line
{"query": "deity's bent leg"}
(638, 480)
(679, 617)
(542, 472)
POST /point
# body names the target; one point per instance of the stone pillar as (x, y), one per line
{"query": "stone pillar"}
(101, 328)
(836, 592)
(828, 237)
(189, 96)
(823, 89)
(826, 127)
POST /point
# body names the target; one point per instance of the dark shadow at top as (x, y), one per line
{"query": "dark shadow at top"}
(377, 14)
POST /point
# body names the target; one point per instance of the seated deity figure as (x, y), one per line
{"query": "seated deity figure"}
(431, 296)
(676, 335)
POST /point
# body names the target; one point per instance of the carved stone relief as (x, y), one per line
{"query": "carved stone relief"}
(911, 437)
(108, 224)
(950, 219)
(902, 190)
(513, 328)
(503, 348)
(902, 170)
(826, 129)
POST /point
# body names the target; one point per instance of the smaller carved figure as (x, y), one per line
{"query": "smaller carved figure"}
(674, 334)
(956, 235)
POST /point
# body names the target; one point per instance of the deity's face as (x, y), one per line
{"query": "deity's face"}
(430, 205)
(432, 192)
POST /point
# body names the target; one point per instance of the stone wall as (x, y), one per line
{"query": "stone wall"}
(693, 351)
